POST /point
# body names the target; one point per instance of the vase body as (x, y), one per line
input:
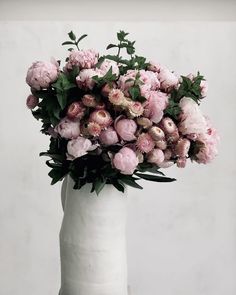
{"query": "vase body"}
(93, 241)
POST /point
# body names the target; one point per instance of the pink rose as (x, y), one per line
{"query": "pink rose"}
(79, 147)
(208, 145)
(85, 79)
(126, 129)
(42, 74)
(76, 110)
(84, 59)
(106, 65)
(32, 101)
(168, 79)
(192, 120)
(155, 105)
(145, 143)
(126, 161)
(108, 136)
(156, 156)
(68, 129)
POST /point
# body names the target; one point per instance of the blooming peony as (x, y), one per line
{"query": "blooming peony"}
(155, 105)
(126, 161)
(84, 59)
(85, 79)
(168, 79)
(79, 147)
(108, 136)
(192, 119)
(68, 129)
(126, 129)
(42, 74)
(106, 65)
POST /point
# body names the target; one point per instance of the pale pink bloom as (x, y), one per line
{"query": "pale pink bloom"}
(102, 117)
(126, 129)
(155, 67)
(182, 147)
(116, 96)
(156, 156)
(106, 89)
(145, 143)
(83, 59)
(135, 109)
(156, 133)
(192, 119)
(125, 160)
(79, 147)
(168, 125)
(85, 79)
(144, 122)
(32, 101)
(108, 136)
(68, 129)
(181, 162)
(155, 105)
(149, 78)
(208, 145)
(168, 79)
(75, 110)
(94, 129)
(106, 65)
(42, 74)
(89, 100)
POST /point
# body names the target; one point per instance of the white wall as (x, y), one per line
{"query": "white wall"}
(181, 236)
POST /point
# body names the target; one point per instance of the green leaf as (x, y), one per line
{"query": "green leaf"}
(130, 181)
(134, 92)
(68, 43)
(62, 99)
(72, 35)
(120, 187)
(154, 177)
(56, 175)
(99, 185)
(81, 38)
(111, 46)
(121, 35)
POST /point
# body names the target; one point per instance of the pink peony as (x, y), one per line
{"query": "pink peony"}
(108, 136)
(126, 129)
(85, 79)
(32, 101)
(145, 143)
(42, 74)
(155, 105)
(208, 145)
(192, 119)
(168, 79)
(84, 59)
(156, 156)
(102, 117)
(75, 110)
(155, 67)
(79, 147)
(149, 80)
(106, 65)
(68, 129)
(126, 161)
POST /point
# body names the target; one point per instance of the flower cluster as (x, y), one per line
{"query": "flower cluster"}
(112, 119)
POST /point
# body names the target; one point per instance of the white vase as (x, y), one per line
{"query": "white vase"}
(93, 241)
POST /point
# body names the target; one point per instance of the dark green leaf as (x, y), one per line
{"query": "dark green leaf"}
(72, 35)
(81, 38)
(111, 46)
(68, 43)
(154, 177)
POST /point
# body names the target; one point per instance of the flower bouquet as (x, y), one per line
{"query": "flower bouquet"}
(115, 120)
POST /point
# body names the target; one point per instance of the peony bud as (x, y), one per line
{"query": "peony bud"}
(32, 101)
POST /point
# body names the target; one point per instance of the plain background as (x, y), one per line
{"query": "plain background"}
(181, 236)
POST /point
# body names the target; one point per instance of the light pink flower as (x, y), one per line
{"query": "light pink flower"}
(106, 65)
(155, 105)
(68, 129)
(116, 96)
(85, 79)
(156, 133)
(126, 161)
(135, 109)
(168, 125)
(192, 119)
(102, 117)
(156, 156)
(42, 74)
(108, 136)
(145, 143)
(155, 67)
(106, 89)
(32, 101)
(204, 88)
(149, 78)
(208, 145)
(126, 129)
(84, 59)
(75, 110)
(126, 81)
(89, 100)
(79, 147)
(168, 79)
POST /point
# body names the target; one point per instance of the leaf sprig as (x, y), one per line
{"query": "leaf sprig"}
(74, 41)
